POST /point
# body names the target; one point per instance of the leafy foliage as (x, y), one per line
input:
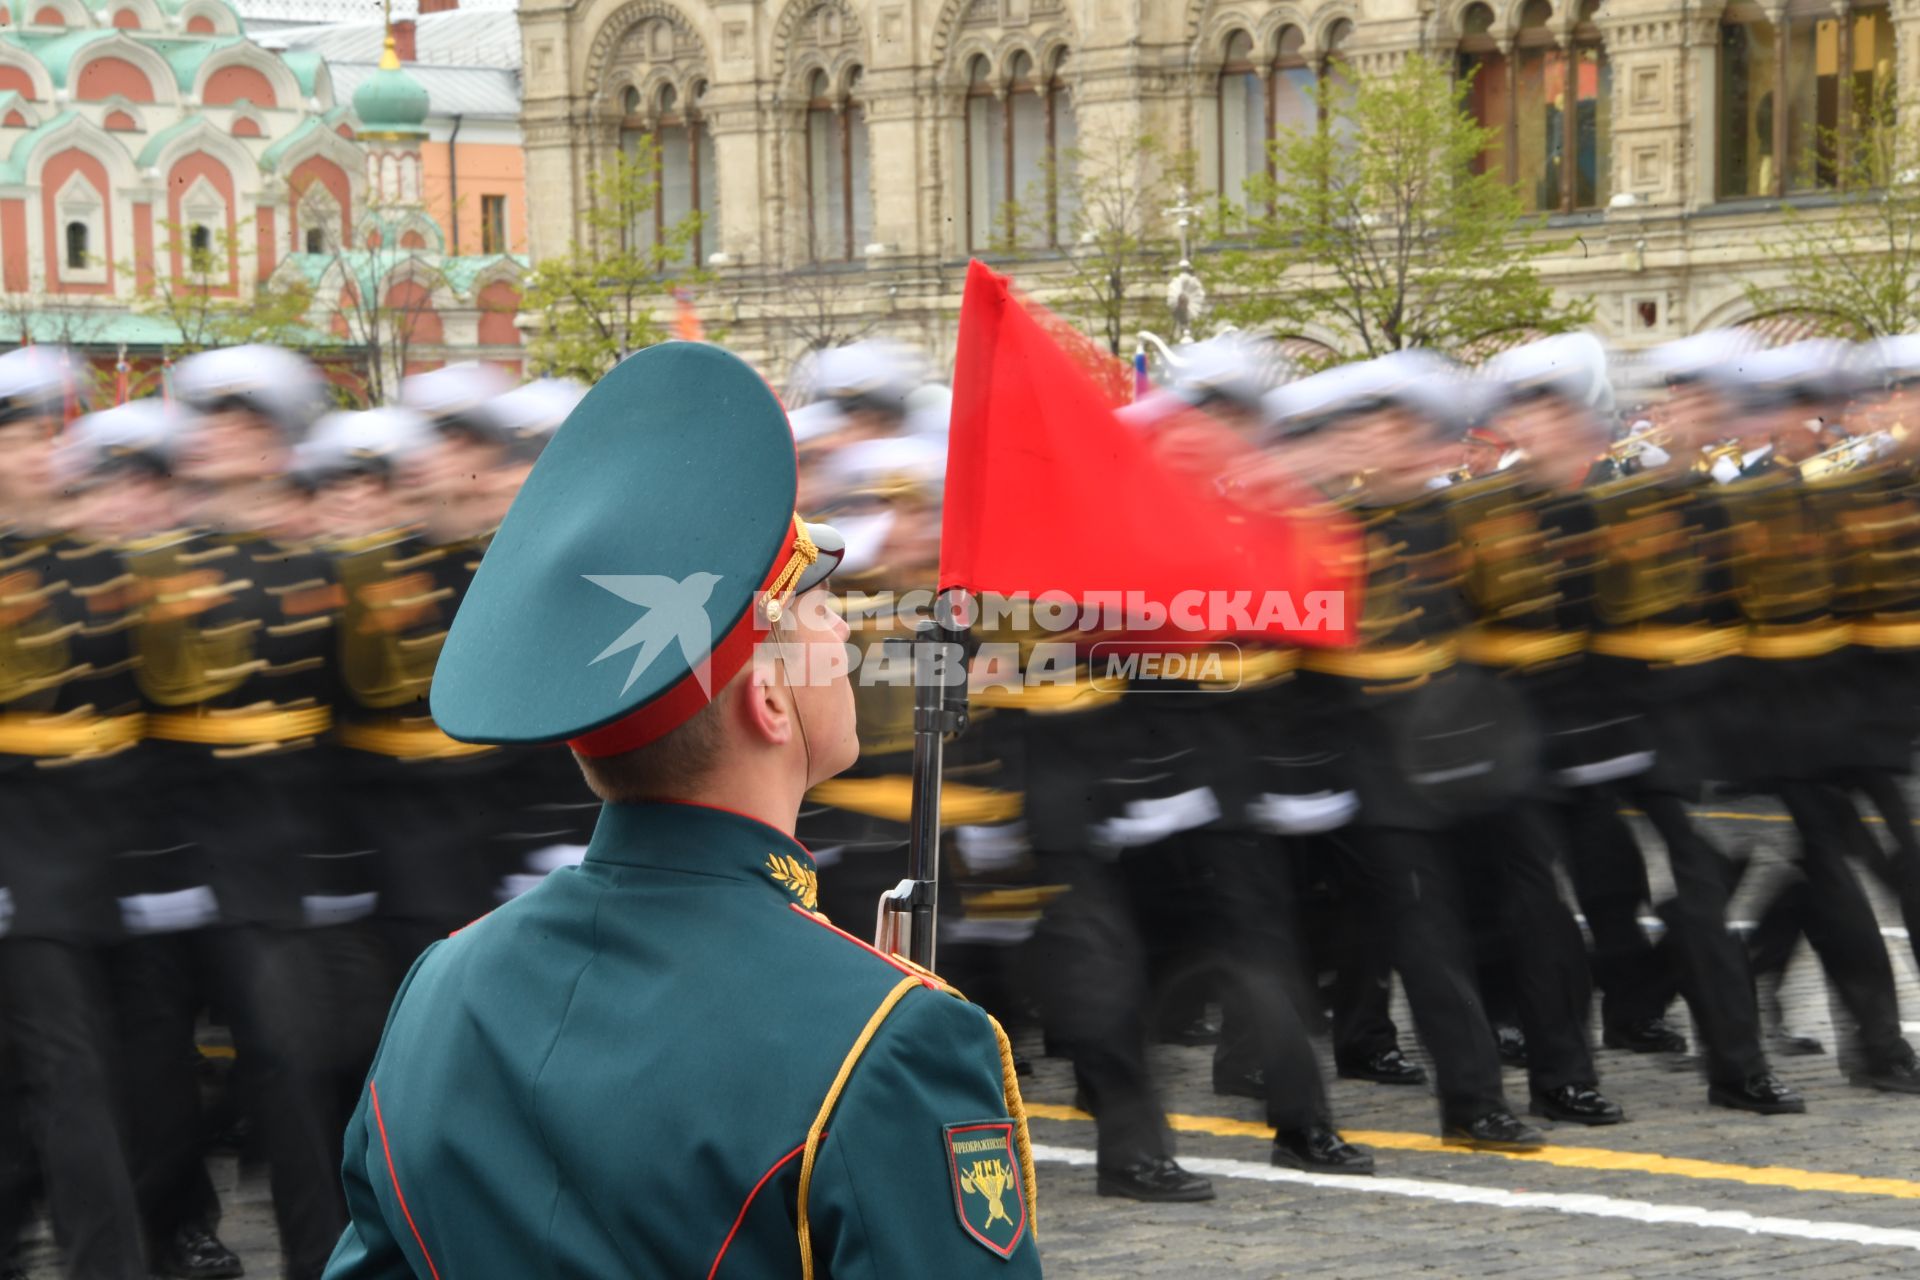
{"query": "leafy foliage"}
(600, 301)
(1375, 229)
(1852, 270)
(207, 302)
(1109, 198)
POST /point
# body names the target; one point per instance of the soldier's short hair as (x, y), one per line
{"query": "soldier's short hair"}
(672, 767)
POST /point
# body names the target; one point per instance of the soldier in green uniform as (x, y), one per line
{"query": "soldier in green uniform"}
(663, 1061)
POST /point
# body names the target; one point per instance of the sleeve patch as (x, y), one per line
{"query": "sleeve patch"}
(988, 1194)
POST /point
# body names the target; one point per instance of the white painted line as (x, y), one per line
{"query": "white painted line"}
(1587, 1206)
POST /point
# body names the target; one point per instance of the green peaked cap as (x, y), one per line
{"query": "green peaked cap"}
(638, 544)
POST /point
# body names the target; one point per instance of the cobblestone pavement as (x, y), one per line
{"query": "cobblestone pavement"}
(1737, 1195)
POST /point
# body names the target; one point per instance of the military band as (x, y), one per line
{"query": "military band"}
(230, 817)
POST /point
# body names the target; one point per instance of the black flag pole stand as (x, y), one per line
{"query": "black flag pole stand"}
(909, 913)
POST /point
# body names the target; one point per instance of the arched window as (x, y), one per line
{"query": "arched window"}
(683, 149)
(1590, 126)
(316, 240)
(1548, 105)
(200, 248)
(839, 198)
(77, 250)
(1260, 99)
(1485, 68)
(1789, 107)
(1017, 137)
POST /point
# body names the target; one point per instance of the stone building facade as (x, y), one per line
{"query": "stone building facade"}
(844, 153)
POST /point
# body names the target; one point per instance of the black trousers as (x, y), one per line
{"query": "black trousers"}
(1090, 969)
(1840, 923)
(1344, 939)
(1901, 870)
(1636, 977)
(1427, 938)
(1510, 857)
(305, 1007)
(1714, 976)
(60, 1025)
(1267, 1001)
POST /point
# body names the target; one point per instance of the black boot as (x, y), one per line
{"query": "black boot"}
(1764, 1094)
(1499, 1130)
(1155, 1179)
(193, 1252)
(1389, 1066)
(1650, 1035)
(1319, 1149)
(1577, 1104)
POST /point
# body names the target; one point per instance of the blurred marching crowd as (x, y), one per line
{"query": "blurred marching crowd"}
(230, 820)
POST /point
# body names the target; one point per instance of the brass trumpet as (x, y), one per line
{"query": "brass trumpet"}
(1850, 454)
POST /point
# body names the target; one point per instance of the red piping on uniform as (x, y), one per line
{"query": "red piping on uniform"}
(405, 1212)
(747, 1204)
(895, 961)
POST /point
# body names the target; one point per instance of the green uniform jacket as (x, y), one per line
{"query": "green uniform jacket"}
(615, 1075)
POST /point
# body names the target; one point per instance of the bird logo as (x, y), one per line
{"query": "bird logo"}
(676, 609)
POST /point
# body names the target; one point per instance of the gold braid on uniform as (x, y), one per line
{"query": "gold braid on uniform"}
(1017, 1108)
(818, 1130)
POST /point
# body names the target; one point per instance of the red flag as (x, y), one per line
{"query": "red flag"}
(1049, 494)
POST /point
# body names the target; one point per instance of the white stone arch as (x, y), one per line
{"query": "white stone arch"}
(77, 16)
(1734, 310)
(955, 73)
(1266, 35)
(502, 270)
(793, 41)
(1209, 47)
(1320, 29)
(286, 88)
(322, 141)
(158, 71)
(245, 109)
(80, 200)
(77, 133)
(222, 17)
(118, 102)
(204, 135)
(152, 19)
(318, 210)
(613, 21)
(202, 205)
(13, 55)
(32, 113)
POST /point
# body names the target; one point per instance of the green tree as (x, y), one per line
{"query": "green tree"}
(600, 301)
(199, 302)
(381, 291)
(1375, 228)
(1852, 270)
(1110, 199)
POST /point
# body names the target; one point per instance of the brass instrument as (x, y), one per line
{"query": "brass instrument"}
(1633, 447)
(1849, 455)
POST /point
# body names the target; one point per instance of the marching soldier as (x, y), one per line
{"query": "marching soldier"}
(810, 1107)
(1662, 627)
(431, 805)
(1800, 733)
(1425, 764)
(70, 725)
(234, 645)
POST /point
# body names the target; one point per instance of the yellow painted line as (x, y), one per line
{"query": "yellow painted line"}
(1596, 1158)
(1736, 815)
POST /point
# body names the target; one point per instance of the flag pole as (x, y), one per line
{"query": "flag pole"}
(909, 914)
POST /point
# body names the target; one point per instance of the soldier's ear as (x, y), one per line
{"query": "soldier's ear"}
(763, 703)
